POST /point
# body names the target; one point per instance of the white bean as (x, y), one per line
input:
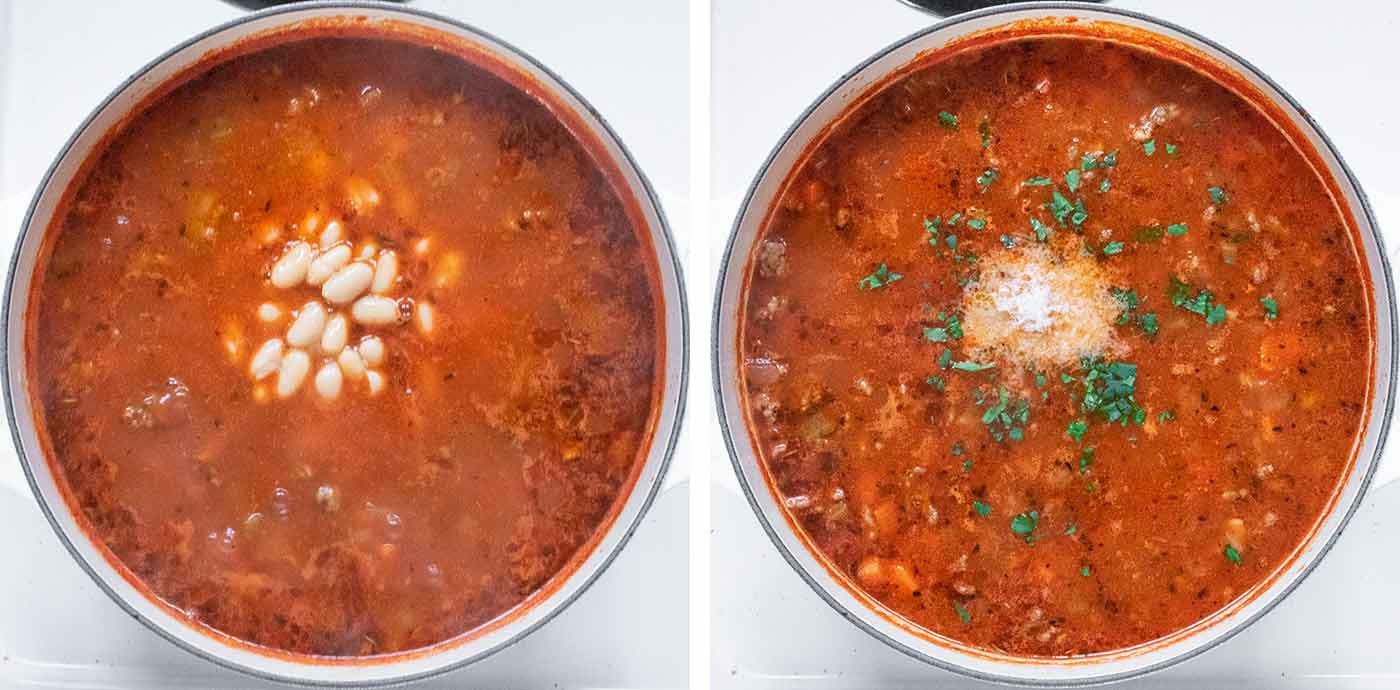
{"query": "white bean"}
(386, 271)
(372, 351)
(333, 338)
(424, 313)
(326, 264)
(374, 310)
(292, 372)
(368, 250)
(333, 233)
(328, 380)
(290, 270)
(348, 283)
(306, 329)
(266, 359)
(351, 364)
(375, 381)
(269, 312)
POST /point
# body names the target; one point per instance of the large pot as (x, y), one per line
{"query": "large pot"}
(508, 62)
(886, 625)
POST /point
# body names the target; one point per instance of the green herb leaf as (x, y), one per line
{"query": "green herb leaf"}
(1233, 554)
(1270, 307)
(976, 223)
(1069, 531)
(985, 129)
(1086, 460)
(1088, 161)
(972, 366)
(962, 613)
(1072, 180)
(1076, 430)
(1025, 523)
(1038, 181)
(1216, 314)
(1114, 247)
(987, 177)
(1171, 149)
(1105, 185)
(1165, 416)
(1109, 388)
(945, 359)
(982, 508)
(1149, 147)
(1080, 215)
(1060, 207)
(1109, 160)
(936, 335)
(1176, 229)
(1085, 571)
(1218, 196)
(1007, 241)
(936, 382)
(1042, 231)
(1202, 303)
(1148, 322)
(882, 277)
(948, 119)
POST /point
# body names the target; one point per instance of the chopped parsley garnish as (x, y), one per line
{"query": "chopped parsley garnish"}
(1203, 303)
(972, 366)
(1109, 160)
(952, 242)
(1042, 231)
(1060, 207)
(1038, 181)
(957, 448)
(1088, 161)
(951, 329)
(1085, 571)
(962, 613)
(985, 129)
(967, 465)
(976, 223)
(1086, 460)
(1069, 531)
(933, 227)
(945, 359)
(1079, 215)
(1131, 301)
(882, 277)
(1039, 380)
(1218, 196)
(1270, 307)
(1171, 149)
(1076, 430)
(1007, 241)
(1024, 525)
(1149, 147)
(948, 119)
(936, 335)
(981, 508)
(1232, 554)
(1165, 416)
(1176, 229)
(1105, 185)
(1006, 417)
(1072, 180)
(1114, 247)
(936, 382)
(987, 177)
(1109, 388)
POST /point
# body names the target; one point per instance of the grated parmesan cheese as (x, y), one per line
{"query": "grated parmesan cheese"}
(1034, 308)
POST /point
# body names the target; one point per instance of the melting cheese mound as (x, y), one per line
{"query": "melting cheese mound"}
(1035, 308)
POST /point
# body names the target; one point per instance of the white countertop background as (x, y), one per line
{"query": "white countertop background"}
(59, 59)
(771, 59)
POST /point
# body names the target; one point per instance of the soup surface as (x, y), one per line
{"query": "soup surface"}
(1056, 345)
(346, 346)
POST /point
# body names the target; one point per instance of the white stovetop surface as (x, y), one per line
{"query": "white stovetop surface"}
(58, 60)
(771, 59)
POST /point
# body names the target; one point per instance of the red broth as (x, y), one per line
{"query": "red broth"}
(1056, 345)
(414, 473)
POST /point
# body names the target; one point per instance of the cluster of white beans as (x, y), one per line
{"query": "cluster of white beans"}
(354, 284)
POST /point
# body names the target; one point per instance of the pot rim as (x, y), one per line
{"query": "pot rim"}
(730, 261)
(670, 413)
